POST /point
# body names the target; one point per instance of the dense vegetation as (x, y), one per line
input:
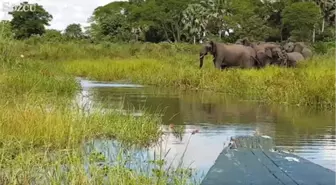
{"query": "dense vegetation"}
(41, 136)
(192, 21)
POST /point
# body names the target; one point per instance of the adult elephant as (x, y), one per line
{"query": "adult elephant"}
(264, 51)
(299, 47)
(228, 55)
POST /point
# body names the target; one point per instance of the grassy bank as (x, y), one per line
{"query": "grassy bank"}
(43, 131)
(312, 83)
(176, 65)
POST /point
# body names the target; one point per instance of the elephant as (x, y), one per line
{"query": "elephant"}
(298, 47)
(228, 55)
(264, 51)
(293, 58)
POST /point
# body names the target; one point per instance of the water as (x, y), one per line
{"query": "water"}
(308, 133)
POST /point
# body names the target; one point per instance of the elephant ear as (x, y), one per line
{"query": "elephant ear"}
(213, 47)
(268, 52)
(298, 46)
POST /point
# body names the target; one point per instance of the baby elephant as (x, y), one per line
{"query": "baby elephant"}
(293, 58)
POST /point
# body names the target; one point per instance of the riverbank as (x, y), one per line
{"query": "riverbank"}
(43, 131)
(177, 65)
(311, 84)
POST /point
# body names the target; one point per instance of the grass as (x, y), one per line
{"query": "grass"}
(42, 131)
(42, 144)
(311, 84)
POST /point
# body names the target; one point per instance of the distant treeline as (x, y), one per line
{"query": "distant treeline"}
(189, 21)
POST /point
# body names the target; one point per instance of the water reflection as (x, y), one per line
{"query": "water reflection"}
(199, 150)
(310, 133)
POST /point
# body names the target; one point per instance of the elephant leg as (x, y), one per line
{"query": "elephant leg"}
(247, 62)
(223, 66)
(214, 61)
(219, 62)
(262, 59)
(244, 65)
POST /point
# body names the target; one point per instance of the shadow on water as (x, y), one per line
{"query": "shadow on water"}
(308, 133)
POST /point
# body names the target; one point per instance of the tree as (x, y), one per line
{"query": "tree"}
(194, 20)
(245, 22)
(216, 11)
(110, 22)
(165, 14)
(74, 31)
(191, 20)
(328, 11)
(301, 18)
(28, 23)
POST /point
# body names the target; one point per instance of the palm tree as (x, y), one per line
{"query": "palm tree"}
(195, 20)
(216, 10)
(327, 8)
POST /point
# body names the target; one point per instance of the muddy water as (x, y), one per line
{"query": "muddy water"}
(308, 133)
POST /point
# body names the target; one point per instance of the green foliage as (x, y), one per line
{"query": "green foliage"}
(110, 23)
(73, 31)
(28, 23)
(43, 132)
(320, 47)
(193, 21)
(301, 17)
(5, 30)
(327, 36)
(328, 10)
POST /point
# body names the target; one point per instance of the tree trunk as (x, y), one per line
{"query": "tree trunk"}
(165, 31)
(323, 22)
(194, 39)
(314, 34)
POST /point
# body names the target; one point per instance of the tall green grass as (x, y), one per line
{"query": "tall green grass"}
(42, 129)
(42, 135)
(311, 83)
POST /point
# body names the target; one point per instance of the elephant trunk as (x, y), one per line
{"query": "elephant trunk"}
(284, 57)
(257, 63)
(201, 59)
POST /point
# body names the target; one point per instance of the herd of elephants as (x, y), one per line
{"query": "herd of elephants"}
(246, 54)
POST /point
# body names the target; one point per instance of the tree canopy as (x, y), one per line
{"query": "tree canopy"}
(74, 31)
(194, 21)
(27, 23)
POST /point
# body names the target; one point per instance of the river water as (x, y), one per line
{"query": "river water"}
(305, 132)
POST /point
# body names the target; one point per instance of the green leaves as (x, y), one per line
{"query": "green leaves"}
(301, 14)
(28, 23)
(301, 17)
(74, 31)
(190, 20)
(5, 30)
